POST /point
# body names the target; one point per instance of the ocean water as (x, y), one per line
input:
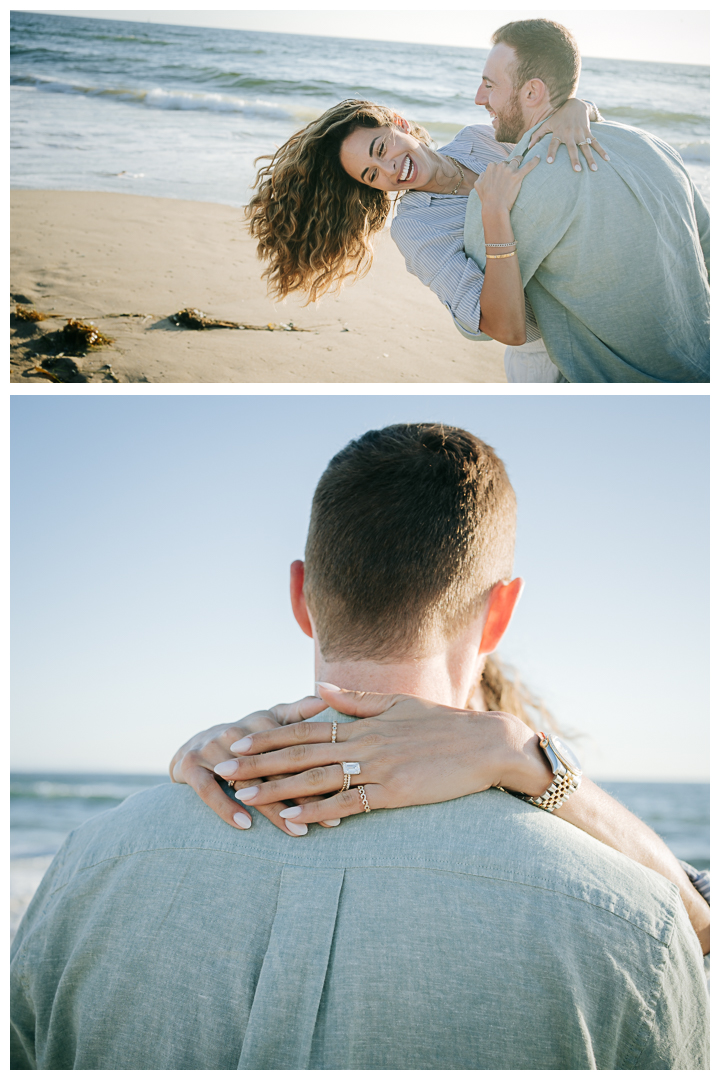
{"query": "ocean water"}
(45, 807)
(182, 112)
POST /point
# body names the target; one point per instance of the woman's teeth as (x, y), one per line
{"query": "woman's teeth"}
(406, 169)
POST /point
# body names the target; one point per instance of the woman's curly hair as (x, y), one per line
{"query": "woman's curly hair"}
(313, 223)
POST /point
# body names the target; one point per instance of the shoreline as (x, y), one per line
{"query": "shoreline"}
(129, 262)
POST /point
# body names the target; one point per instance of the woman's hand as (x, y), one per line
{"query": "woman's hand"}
(499, 186)
(571, 125)
(194, 763)
(415, 752)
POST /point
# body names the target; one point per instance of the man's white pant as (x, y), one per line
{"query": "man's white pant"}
(530, 363)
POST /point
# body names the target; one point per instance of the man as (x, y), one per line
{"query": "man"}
(616, 264)
(474, 934)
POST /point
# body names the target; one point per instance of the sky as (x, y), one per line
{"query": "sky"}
(654, 33)
(152, 537)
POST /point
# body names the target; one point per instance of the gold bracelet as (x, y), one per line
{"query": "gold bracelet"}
(508, 256)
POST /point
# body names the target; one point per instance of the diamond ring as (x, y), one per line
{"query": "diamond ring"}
(349, 768)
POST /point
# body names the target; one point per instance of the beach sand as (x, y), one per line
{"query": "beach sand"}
(129, 262)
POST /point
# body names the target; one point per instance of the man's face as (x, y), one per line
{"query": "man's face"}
(498, 94)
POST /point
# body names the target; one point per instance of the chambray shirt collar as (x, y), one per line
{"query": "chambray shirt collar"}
(523, 146)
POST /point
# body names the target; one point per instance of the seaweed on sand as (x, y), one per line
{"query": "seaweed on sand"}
(75, 339)
(29, 314)
(194, 319)
(78, 336)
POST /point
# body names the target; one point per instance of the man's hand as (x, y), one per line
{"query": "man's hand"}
(194, 763)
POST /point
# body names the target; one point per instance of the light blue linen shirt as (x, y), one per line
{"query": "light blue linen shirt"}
(615, 263)
(476, 934)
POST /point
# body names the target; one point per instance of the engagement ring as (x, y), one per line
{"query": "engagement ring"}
(349, 768)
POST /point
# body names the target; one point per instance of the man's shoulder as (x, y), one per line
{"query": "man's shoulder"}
(520, 844)
(163, 817)
(492, 837)
(626, 146)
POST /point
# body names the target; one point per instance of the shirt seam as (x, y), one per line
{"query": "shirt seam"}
(385, 866)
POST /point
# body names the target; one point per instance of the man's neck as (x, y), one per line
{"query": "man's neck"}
(447, 678)
(533, 117)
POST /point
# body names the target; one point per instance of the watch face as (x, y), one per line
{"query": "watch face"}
(566, 754)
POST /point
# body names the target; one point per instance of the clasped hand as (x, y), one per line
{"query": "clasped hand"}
(411, 752)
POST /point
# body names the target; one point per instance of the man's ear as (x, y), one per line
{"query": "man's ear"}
(501, 604)
(297, 597)
(534, 93)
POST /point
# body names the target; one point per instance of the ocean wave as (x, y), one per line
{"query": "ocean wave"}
(694, 151)
(651, 118)
(158, 98)
(210, 102)
(126, 37)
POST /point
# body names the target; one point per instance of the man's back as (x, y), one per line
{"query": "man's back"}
(613, 262)
(475, 934)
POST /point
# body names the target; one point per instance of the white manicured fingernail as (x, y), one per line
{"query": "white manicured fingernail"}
(291, 811)
(242, 745)
(296, 830)
(578, 168)
(328, 686)
(242, 820)
(246, 793)
(226, 768)
(551, 161)
(334, 821)
(594, 167)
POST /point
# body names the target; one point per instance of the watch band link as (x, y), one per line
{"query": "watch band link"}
(557, 793)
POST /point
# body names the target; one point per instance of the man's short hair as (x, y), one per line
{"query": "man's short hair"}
(545, 50)
(411, 527)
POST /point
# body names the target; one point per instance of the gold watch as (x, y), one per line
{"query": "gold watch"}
(567, 773)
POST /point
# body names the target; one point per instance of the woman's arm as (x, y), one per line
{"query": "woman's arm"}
(417, 752)
(502, 300)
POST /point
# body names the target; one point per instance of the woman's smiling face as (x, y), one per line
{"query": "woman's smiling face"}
(386, 159)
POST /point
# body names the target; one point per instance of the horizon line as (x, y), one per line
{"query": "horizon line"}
(331, 37)
(150, 773)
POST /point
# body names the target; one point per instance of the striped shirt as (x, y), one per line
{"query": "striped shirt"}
(429, 230)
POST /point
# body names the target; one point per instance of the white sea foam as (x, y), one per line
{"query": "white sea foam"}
(694, 151)
(158, 98)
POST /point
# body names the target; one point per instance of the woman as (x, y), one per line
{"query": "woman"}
(326, 192)
(421, 756)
